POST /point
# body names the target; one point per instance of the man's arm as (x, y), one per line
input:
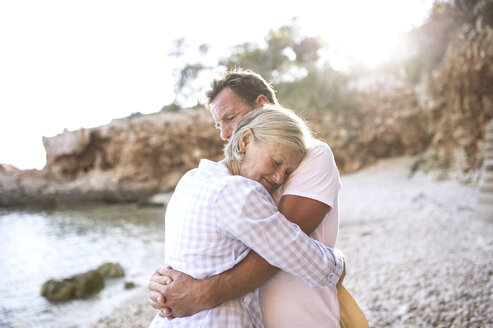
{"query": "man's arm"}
(254, 271)
(186, 295)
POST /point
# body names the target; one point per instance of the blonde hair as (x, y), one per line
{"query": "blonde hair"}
(269, 124)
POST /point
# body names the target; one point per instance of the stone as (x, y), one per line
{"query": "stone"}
(129, 285)
(88, 283)
(58, 291)
(128, 160)
(111, 270)
(78, 286)
(464, 83)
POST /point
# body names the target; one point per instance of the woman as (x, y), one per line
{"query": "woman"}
(221, 211)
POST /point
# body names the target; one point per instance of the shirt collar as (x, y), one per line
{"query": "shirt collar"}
(211, 165)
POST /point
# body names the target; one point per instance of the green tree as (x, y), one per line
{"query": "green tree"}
(285, 49)
(289, 59)
(185, 74)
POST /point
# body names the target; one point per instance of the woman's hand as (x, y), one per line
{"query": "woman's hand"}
(177, 294)
(156, 287)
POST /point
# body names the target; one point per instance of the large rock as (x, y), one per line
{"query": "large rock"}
(78, 286)
(133, 158)
(126, 161)
(87, 283)
(58, 291)
(111, 270)
(387, 124)
(459, 99)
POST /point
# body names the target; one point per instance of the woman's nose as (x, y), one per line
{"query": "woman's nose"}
(278, 177)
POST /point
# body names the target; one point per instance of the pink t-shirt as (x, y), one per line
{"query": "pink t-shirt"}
(286, 300)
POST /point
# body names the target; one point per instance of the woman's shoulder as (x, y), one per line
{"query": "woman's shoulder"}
(236, 188)
(240, 195)
(239, 182)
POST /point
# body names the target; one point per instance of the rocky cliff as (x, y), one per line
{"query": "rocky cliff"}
(444, 119)
(136, 157)
(127, 160)
(387, 124)
(458, 98)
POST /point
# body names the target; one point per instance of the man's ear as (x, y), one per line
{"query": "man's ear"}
(261, 100)
(245, 140)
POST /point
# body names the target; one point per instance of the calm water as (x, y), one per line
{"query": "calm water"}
(37, 246)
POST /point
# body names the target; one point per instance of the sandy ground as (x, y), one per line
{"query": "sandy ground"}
(416, 255)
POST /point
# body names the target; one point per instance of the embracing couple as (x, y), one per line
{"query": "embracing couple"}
(250, 239)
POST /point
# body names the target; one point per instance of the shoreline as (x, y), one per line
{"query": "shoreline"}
(132, 312)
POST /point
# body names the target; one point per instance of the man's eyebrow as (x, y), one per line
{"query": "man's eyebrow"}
(229, 114)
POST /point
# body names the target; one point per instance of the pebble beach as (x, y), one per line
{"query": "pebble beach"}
(416, 255)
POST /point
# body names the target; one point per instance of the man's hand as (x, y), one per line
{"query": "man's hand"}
(177, 294)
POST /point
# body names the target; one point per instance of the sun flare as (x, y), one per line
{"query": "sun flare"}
(364, 33)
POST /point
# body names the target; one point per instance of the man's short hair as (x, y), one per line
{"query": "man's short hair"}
(245, 84)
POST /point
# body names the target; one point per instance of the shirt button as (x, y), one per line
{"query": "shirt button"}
(333, 278)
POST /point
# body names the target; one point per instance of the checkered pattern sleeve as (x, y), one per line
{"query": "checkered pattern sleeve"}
(244, 210)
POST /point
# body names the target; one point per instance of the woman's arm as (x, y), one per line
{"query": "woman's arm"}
(186, 295)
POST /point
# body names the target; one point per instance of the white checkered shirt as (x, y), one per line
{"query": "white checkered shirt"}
(213, 221)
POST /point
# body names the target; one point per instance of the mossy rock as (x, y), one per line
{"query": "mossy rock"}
(88, 283)
(78, 286)
(81, 285)
(129, 285)
(58, 291)
(111, 270)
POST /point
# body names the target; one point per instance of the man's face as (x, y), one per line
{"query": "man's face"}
(227, 110)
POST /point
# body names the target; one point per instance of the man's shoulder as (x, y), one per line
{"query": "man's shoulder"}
(318, 147)
(319, 163)
(317, 175)
(319, 156)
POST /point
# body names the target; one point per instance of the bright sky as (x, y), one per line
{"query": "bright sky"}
(73, 64)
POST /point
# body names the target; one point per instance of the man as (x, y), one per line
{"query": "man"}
(308, 199)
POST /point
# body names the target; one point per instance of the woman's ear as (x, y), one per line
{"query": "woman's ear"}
(246, 138)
